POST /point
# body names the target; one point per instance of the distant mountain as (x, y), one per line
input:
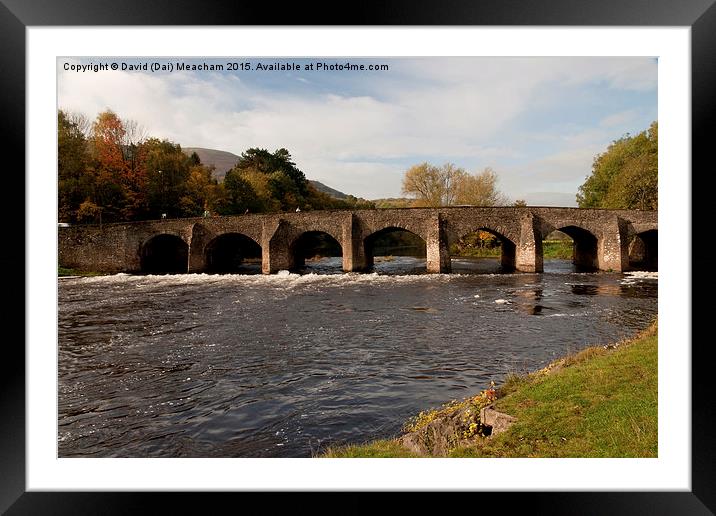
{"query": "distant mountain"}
(327, 189)
(224, 161)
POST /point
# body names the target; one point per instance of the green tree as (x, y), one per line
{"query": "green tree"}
(239, 195)
(201, 192)
(625, 176)
(167, 170)
(285, 191)
(74, 185)
(266, 162)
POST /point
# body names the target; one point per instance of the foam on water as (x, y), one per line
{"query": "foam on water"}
(284, 279)
(642, 274)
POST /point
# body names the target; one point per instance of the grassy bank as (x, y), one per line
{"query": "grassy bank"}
(551, 250)
(600, 402)
(557, 249)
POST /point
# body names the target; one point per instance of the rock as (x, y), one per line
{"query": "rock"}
(412, 442)
(499, 421)
(444, 433)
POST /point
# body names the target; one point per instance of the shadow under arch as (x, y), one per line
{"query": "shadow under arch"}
(584, 248)
(164, 254)
(484, 242)
(643, 251)
(393, 241)
(313, 246)
(233, 253)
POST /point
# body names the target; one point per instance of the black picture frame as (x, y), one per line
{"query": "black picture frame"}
(16, 15)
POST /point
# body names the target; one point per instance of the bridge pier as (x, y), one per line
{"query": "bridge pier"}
(275, 252)
(200, 236)
(528, 252)
(438, 255)
(354, 258)
(613, 246)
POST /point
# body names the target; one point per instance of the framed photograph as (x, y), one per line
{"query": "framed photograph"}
(350, 115)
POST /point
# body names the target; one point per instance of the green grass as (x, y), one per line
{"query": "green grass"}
(64, 271)
(478, 252)
(551, 250)
(557, 249)
(597, 403)
(377, 449)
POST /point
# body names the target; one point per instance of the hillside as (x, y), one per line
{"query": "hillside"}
(224, 161)
(327, 189)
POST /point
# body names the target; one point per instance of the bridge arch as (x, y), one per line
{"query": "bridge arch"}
(164, 253)
(584, 247)
(231, 252)
(314, 244)
(474, 242)
(643, 251)
(394, 241)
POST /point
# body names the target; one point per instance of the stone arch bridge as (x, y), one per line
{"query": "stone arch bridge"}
(601, 237)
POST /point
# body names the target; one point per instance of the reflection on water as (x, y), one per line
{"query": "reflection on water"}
(282, 365)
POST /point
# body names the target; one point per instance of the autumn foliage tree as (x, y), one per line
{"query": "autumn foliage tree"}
(108, 165)
(449, 185)
(480, 189)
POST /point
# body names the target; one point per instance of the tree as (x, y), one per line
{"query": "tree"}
(201, 193)
(433, 186)
(167, 169)
(625, 176)
(521, 203)
(117, 166)
(480, 189)
(449, 185)
(89, 212)
(107, 165)
(74, 184)
(280, 160)
(285, 191)
(239, 195)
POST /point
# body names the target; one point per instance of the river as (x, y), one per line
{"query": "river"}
(247, 365)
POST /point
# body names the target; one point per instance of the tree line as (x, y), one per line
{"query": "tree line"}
(110, 170)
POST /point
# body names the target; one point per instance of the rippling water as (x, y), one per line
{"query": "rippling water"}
(281, 366)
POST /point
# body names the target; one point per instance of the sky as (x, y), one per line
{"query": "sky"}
(538, 122)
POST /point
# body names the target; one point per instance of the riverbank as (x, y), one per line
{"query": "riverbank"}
(600, 402)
